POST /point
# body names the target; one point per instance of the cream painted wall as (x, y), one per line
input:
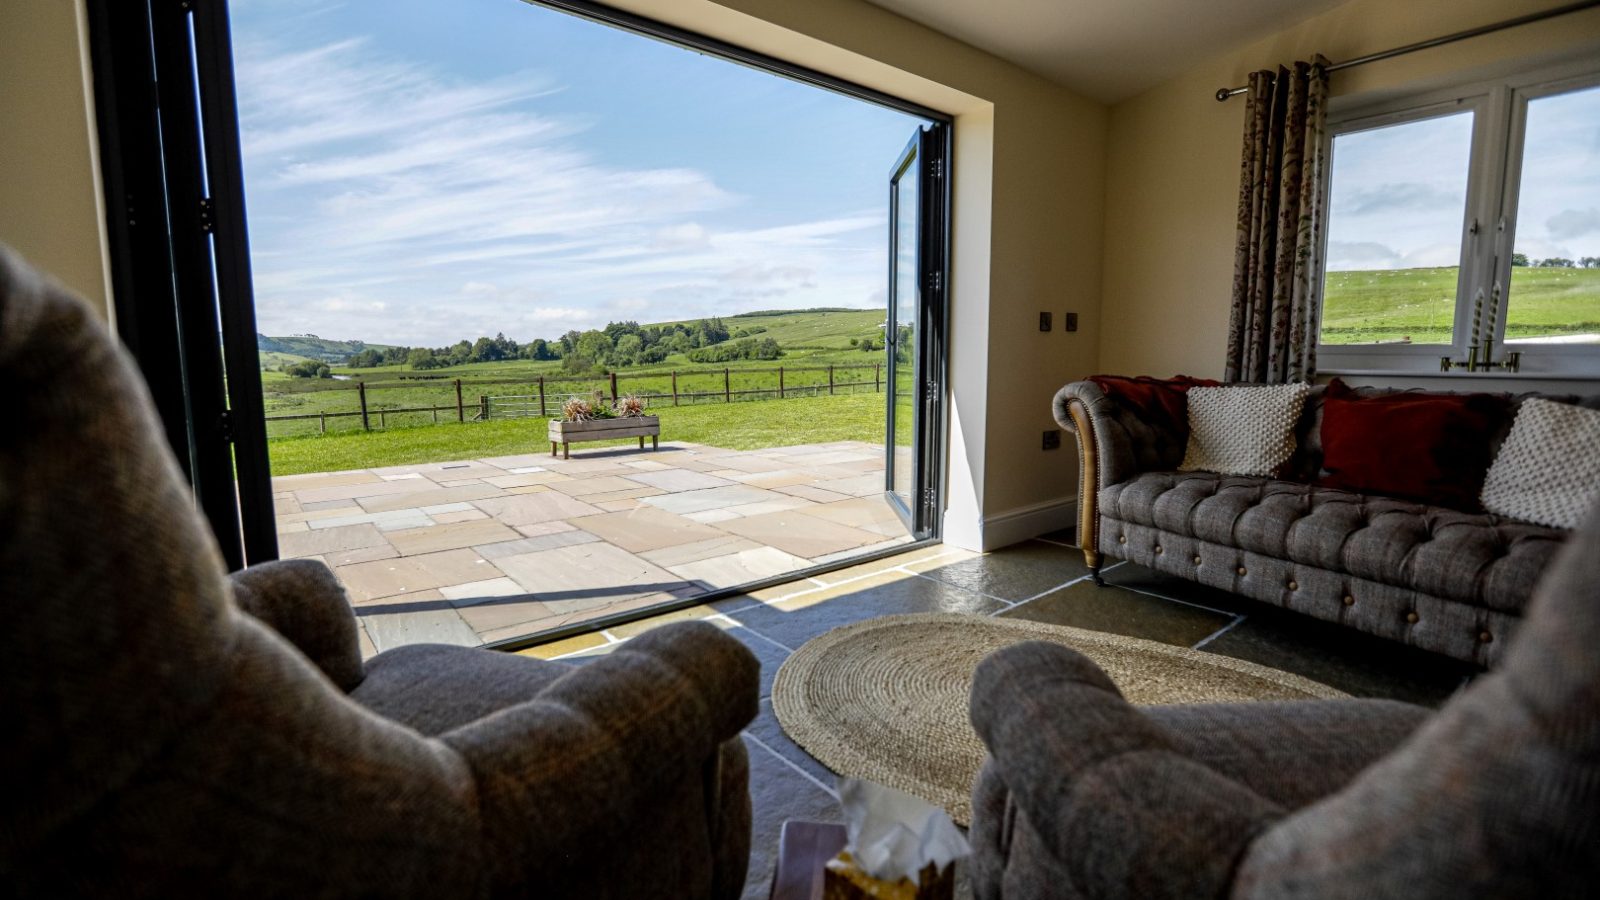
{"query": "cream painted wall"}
(51, 208)
(1029, 170)
(1173, 160)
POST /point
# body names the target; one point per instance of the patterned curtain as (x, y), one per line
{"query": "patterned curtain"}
(1272, 333)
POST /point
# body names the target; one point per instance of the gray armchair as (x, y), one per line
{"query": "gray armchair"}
(177, 731)
(1492, 796)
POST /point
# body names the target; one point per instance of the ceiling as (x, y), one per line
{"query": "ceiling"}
(1108, 50)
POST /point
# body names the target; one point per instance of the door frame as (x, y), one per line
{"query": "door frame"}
(175, 202)
(179, 253)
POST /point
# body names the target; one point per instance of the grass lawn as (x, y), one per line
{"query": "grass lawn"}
(736, 426)
(1419, 304)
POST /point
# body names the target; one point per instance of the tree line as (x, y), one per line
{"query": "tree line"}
(581, 352)
(1555, 262)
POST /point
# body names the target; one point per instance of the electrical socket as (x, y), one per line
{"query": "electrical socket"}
(1052, 439)
(1044, 321)
(1069, 322)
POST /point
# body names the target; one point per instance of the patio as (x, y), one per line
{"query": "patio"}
(474, 551)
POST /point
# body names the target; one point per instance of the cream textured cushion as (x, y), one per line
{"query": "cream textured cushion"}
(1548, 470)
(1242, 430)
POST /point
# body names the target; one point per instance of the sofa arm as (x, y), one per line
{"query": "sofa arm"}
(302, 601)
(1112, 802)
(621, 743)
(1114, 444)
(1292, 752)
(1129, 439)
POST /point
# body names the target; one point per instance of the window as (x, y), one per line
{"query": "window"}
(1469, 220)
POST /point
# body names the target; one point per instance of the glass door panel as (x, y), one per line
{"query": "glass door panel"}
(912, 328)
(900, 328)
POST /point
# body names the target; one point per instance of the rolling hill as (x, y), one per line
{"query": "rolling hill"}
(1418, 305)
(309, 346)
(799, 329)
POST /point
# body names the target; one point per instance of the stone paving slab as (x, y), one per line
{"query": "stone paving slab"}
(741, 567)
(352, 491)
(387, 577)
(596, 483)
(711, 498)
(860, 512)
(532, 509)
(431, 497)
(417, 541)
(586, 576)
(535, 544)
(434, 626)
(506, 546)
(326, 540)
(678, 554)
(644, 529)
(679, 480)
(795, 532)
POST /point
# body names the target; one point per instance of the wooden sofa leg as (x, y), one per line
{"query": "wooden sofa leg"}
(1088, 483)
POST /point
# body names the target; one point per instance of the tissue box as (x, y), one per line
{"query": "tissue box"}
(843, 880)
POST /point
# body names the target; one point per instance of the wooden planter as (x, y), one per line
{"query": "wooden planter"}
(568, 433)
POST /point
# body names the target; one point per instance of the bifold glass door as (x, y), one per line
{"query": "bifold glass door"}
(408, 358)
(912, 330)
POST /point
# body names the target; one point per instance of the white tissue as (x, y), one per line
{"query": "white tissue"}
(893, 835)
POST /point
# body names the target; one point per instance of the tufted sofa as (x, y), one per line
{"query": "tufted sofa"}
(1447, 581)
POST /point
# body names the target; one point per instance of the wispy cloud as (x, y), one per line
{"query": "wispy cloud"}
(1408, 196)
(1348, 255)
(1571, 223)
(395, 202)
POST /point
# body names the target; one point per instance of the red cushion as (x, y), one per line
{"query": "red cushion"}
(1149, 398)
(1432, 448)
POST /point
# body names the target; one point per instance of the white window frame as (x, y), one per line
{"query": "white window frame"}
(1488, 229)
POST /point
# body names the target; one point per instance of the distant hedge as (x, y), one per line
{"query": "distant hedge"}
(748, 348)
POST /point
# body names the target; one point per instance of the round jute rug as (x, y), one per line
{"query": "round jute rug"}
(886, 699)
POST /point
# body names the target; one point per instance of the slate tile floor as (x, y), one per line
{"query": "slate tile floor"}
(1043, 580)
(474, 551)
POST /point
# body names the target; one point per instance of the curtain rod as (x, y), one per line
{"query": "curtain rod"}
(1224, 93)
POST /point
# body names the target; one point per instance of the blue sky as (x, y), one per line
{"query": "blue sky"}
(1399, 193)
(421, 171)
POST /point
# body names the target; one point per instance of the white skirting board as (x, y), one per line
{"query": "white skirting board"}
(1013, 525)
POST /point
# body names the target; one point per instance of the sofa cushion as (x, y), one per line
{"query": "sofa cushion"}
(1162, 399)
(1471, 558)
(1548, 470)
(1432, 448)
(1243, 429)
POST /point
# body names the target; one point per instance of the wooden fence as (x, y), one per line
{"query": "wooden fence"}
(549, 396)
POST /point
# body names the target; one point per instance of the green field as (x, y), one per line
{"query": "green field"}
(1418, 305)
(276, 359)
(736, 426)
